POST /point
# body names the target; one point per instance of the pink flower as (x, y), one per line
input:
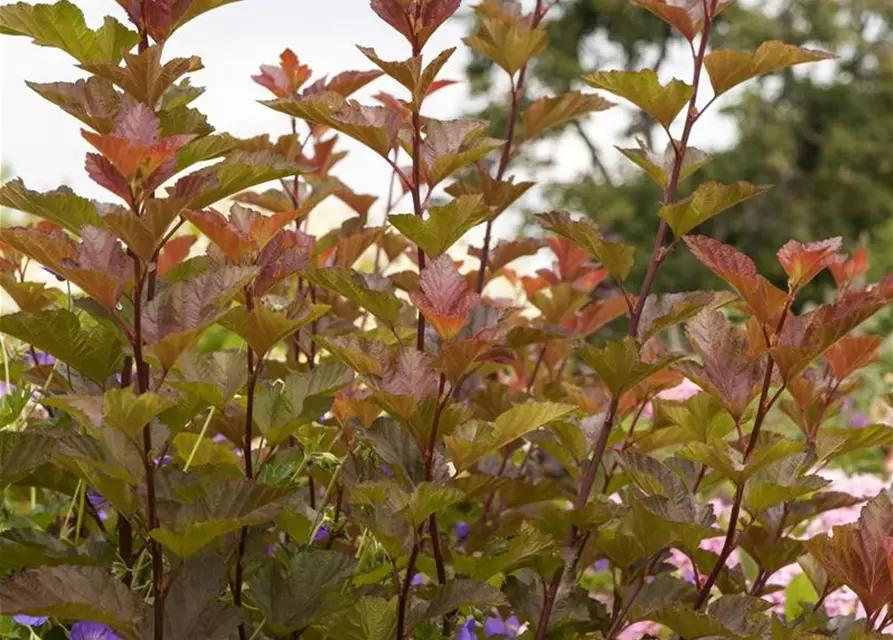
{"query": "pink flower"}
(682, 391)
(639, 630)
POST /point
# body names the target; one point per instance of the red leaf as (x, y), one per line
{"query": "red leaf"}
(392, 12)
(411, 375)
(803, 262)
(765, 300)
(348, 82)
(439, 84)
(106, 175)
(852, 353)
(233, 240)
(444, 298)
(287, 78)
(845, 271)
(174, 252)
(138, 125)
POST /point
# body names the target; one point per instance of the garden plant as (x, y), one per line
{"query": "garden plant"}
(216, 425)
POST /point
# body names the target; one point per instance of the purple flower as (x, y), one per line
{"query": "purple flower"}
(218, 438)
(5, 388)
(31, 621)
(160, 462)
(271, 550)
(601, 565)
(418, 580)
(41, 358)
(93, 631)
(462, 530)
(99, 503)
(387, 470)
(497, 626)
(466, 631)
(322, 533)
(859, 420)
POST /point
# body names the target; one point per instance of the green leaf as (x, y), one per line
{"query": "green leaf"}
(508, 41)
(236, 172)
(662, 311)
(61, 206)
(619, 366)
(798, 593)
(702, 417)
(708, 200)
(224, 507)
(547, 113)
(29, 548)
(660, 167)
(370, 618)
(451, 145)
(62, 25)
(262, 328)
(302, 399)
(485, 438)
(527, 545)
(304, 590)
(461, 593)
(370, 292)
(204, 148)
(94, 350)
(728, 68)
(128, 413)
(644, 90)
(444, 226)
(428, 498)
(688, 623)
(718, 455)
(72, 593)
(23, 451)
(617, 258)
(201, 451)
(834, 442)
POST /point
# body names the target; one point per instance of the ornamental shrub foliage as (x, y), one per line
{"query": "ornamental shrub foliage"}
(217, 425)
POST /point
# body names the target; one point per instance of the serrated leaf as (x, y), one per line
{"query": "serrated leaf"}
(22, 452)
(728, 68)
(727, 371)
(61, 206)
(128, 413)
(462, 593)
(428, 498)
(686, 17)
(617, 258)
(700, 416)
(72, 593)
(663, 311)
(444, 226)
(659, 167)
(204, 148)
(643, 89)
(224, 507)
(410, 72)
(764, 299)
(509, 426)
(192, 609)
(856, 556)
(708, 200)
(302, 399)
(202, 451)
(93, 101)
(143, 76)
(94, 350)
(262, 328)
(304, 589)
(143, 234)
(508, 41)
(444, 297)
(547, 113)
(29, 296)
(30, 548)
(834, 442)
(451, 145)
(375, 127)
(803, 262)
(236, 172)
(61, 25)
(371, 293)
(619, 366)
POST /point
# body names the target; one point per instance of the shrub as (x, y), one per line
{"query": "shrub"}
(386, 451)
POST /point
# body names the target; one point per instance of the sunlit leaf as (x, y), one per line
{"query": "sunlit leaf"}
(616, 258)
(61, 206)
(619, 366)
(644, 90)
(444, 226)
(444, 297)
(708, 200)
(728, 68)
(547, 113)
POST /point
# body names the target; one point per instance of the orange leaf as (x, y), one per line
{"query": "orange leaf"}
(803, 262)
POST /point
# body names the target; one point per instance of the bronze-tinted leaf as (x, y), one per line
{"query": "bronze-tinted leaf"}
(444, 298)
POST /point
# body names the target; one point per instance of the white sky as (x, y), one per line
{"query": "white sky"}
(43, 145)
